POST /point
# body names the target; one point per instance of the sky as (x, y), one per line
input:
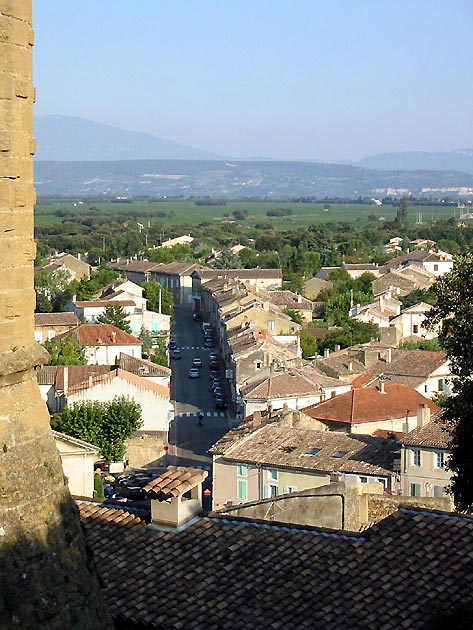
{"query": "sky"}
(286, 79)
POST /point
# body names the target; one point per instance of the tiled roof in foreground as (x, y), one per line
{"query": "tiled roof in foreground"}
(227, 574)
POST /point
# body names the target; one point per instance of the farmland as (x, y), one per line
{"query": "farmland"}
(187, 214)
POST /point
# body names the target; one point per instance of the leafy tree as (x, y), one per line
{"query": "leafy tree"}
(116, 316)
(353, 333)
(49, 286)
(308, 344)
(98, 487)
(454, 314)
(107, 425)
(294, 283)
(146, 339)
(296, 317)
(426, 344)
(248, 258)
(418, 295)
(65, 351)
(227, 260)
(402, 215)
(89, 287)
(151, 292)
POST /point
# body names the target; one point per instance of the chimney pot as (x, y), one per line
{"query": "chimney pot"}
(326, 353)
(256, 418)
(423, 415)
(381, 387)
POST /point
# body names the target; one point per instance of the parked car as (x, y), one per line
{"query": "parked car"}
(176, 354)
(214, 374)
(172, 345)
(218, 391)
(212, 356)
(197, 317)
(194, 372)
(214, 365)
(197, 362)
(209, 344)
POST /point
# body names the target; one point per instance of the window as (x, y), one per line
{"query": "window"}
(440, 459)
(426, 389)
(313, 451)
(289, 489)
(436, 267)
(51, 334)
(415, 459)
(258, 365)
(272, 474)
(438, 492)
(270, 324)
(270, 490)
(363, 479)
(440, 385)
(242, 470)
(415, 490)
(339, 454)
(242, 490)
(415, 329)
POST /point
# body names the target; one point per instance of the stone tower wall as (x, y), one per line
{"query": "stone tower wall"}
(46, 577)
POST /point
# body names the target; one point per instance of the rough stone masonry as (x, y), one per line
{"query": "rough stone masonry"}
(47, 579)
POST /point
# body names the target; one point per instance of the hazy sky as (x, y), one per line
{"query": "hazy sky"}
(310, 79)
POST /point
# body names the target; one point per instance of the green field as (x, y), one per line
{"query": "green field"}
(187, 213)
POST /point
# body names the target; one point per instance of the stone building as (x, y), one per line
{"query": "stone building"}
(47, 578)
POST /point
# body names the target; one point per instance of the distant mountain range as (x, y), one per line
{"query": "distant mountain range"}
(62, 138)
(460, 160)
(80, 157)
(239, 179)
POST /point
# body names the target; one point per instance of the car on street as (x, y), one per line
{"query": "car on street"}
(214, 374)
(172, 345)
(196, 362)
(194, 372)
(176, 354)
(212, 356)
(214, 365)
(216, 382)
(218, 391)
(209, 344)
(220, 402)
(197, 317)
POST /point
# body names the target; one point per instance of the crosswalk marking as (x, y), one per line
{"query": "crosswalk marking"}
(195, 348)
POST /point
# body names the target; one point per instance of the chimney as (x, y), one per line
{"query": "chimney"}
(113, 334)
(381, 303)
(381, 387)
(257, 418)
(299, 299)
(406, 427)
(423, 415)
(337, 347)
(350, 367)
(388, 355)
(326, 353)
(170, 509)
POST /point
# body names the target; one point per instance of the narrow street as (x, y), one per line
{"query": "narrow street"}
(189, 441)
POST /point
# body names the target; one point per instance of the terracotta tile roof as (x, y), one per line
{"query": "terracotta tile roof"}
(224, 573)
(46, 374)
(310, 450)
(435, 434)
(107, 376)
(102, 303)
(289, 299)
(420, 255)
(141, 367)
(291, 383)
(55, 319)
(76, 374)
(370, 405)
(174, 482)
(86, 446)
(102, 335)
(241, 274)
(361, 267)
